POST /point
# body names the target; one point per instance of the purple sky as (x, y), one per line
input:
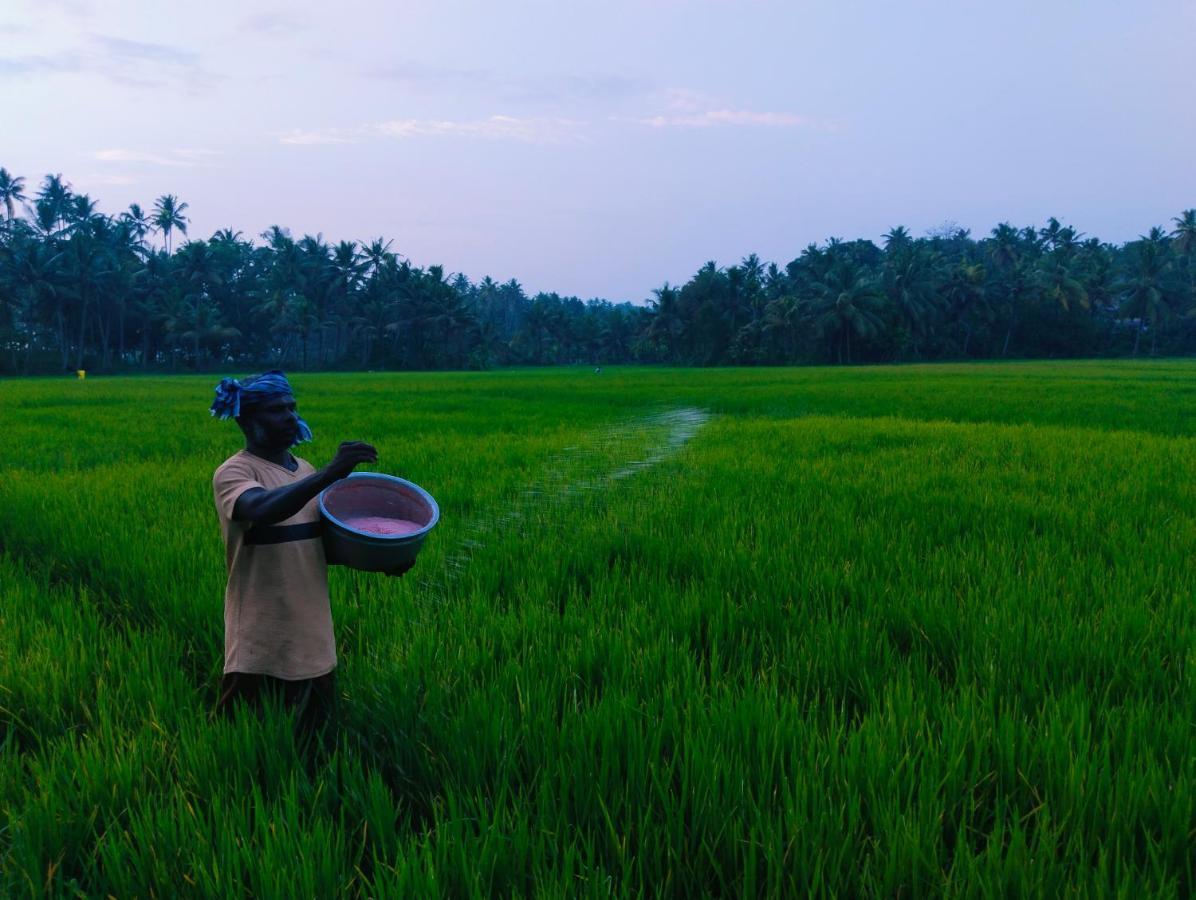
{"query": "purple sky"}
(602, 148)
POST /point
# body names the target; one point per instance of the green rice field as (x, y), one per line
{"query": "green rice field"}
(876, 632)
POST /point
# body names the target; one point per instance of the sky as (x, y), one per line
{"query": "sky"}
(600, 149)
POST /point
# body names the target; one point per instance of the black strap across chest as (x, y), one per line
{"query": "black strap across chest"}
(282, 534)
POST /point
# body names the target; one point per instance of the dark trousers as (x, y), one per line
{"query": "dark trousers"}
(312, 701)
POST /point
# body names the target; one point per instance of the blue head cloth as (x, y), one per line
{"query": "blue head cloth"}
(231, 395)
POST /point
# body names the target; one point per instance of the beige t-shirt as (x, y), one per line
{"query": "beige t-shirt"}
(277, 618)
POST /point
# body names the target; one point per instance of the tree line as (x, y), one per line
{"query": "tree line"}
(80, 289)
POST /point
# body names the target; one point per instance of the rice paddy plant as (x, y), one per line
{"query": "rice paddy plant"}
(909, 631)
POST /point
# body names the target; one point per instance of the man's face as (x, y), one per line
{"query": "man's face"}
(273, 423)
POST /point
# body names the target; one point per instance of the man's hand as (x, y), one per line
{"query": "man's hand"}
(264, 507)
(349, 455)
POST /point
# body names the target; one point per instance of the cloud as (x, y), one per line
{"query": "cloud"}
(601, 87)
(78, 7)
(64, 9)
(685, 109)
(533, 130)
(122, 49)
(35, 65)
(415, 73)
(687, 100)
(714, 118)
(606, 87)
(317, 137)
(573, 89)
(273, 24)
(144, 64)
(692, 109)
(125, 62)
(530, 130)
(180, 158)
(108, 179)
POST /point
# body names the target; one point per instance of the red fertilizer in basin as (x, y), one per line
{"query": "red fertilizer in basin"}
(383, 525)
(375, 522)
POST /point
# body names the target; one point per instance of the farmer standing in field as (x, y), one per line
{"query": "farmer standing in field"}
(278, 637)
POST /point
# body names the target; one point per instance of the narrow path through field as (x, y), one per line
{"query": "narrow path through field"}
(611, 454)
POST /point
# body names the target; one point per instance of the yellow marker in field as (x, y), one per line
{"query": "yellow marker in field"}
(82, 373)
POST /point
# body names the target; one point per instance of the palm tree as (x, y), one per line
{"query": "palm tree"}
(137, 222)
(145, 302)
(200, 323)
(82, 209)
(1099, 272)
(1145, 292)
(449, 316)
(12, 191)
(896, 238)
(782, 321)
(348, 265)
(1006, 252)
(1058, 236)
(280, 306)
(848, 303)
(56, 195)
(90, 265)
(513, 305)
(1184, 238)
(966, 298)
(666, 327)
(747, 281)
(1057, 284)
(538, 325)
(318, 284)
(1184, 234)
(197, 276)
(910, 280)
(168, 215)
(277, 237)
(36, 270)
(376, 253)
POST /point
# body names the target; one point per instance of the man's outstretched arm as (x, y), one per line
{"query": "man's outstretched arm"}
(263, 507)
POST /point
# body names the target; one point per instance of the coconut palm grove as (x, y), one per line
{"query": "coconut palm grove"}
(84, 289)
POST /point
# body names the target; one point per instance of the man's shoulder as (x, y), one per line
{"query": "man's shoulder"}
(245, 463)
(238, 458)
(238, 462)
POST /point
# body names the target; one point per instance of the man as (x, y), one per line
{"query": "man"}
(278, 637)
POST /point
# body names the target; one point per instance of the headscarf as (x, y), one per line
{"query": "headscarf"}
(231, 395)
